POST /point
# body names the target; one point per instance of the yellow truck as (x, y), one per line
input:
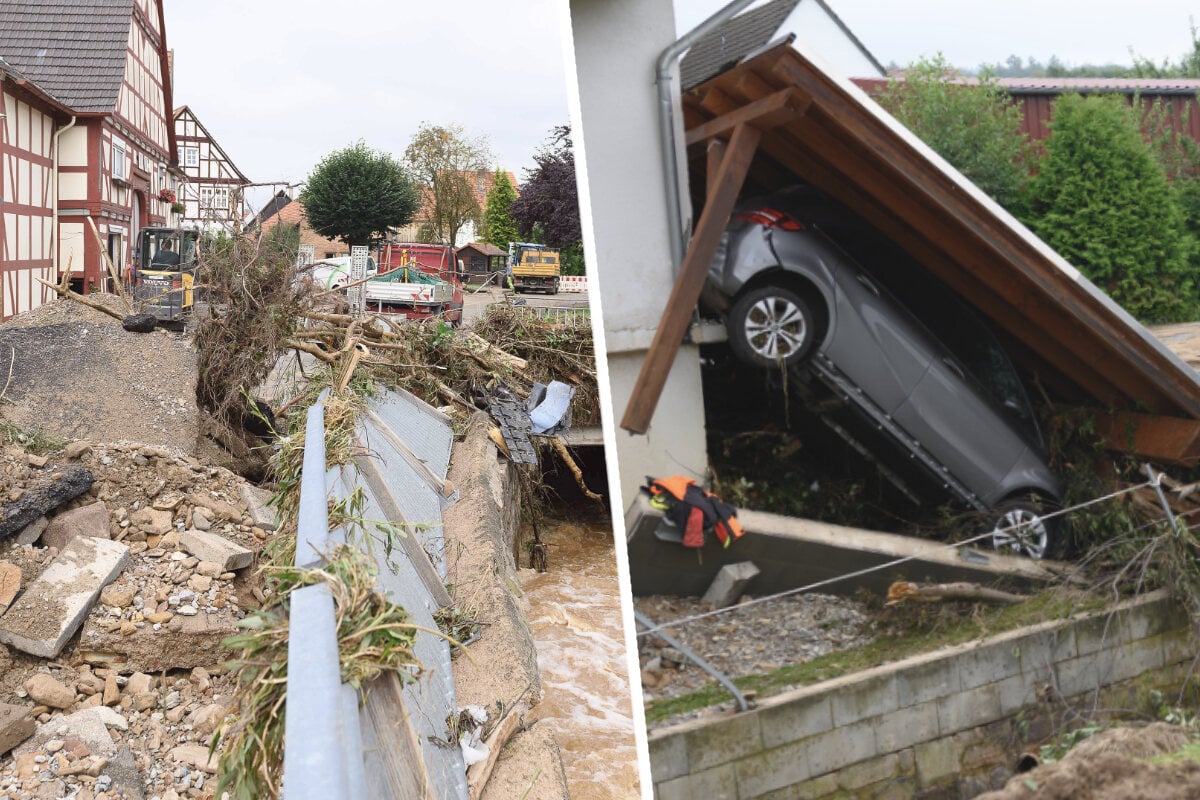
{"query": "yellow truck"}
(533, 266)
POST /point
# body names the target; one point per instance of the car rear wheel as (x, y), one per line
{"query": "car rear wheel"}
(1019, 527)
(770, 326)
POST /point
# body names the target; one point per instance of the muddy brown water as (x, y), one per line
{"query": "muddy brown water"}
(576, 620)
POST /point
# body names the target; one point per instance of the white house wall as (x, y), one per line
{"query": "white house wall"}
(25, 204)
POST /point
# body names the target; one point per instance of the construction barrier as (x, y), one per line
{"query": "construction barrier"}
(573, 283)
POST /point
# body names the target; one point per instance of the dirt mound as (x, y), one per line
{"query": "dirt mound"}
(77, 374)
(1109, 766)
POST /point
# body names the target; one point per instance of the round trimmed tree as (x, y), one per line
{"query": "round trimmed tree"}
(358, 192)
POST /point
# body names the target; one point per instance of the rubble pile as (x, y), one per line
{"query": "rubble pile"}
(120, 698)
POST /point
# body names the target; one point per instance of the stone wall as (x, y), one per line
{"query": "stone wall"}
(947, 724)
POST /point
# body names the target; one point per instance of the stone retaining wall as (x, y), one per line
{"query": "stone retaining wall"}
(941, 725)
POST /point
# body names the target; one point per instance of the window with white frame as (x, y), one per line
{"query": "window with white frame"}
(206, 198)
(221, 199)
(191, 156)
(118, 159)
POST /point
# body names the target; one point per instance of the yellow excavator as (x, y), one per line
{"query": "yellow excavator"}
(164, 270)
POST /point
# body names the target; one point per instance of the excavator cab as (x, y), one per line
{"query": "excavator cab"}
(164, 270)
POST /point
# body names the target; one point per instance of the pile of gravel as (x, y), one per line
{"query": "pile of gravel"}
(77, 374)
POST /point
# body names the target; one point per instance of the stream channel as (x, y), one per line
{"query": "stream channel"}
(576, 621)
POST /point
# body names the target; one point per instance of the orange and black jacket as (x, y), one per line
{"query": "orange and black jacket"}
(694, 509)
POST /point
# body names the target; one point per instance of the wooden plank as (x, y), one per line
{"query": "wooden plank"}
(1165, 439)
(690, 280)
(395, 767)
(772, 110)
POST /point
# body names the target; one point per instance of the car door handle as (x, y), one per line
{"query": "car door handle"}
(865, 281)
(953, 366)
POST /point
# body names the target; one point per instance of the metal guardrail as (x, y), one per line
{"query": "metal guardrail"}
(571, 315)
(401, 476)
(323, 755)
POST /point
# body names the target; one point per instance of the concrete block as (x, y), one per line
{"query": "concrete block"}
(730, 584)
(773, 769)
(48, 613)
(1040, 650)
(906, 727)
(865, 697)
(936, 759)
(722, 741)
(969, 709)
(183, 643)
(989, 663)
(215, 548)
(16, 725)
(262, 514)
(1098, 632)
(815, 789)
(89, 520)
(865, 773)
(798, 718)
(841, 746)
(1023, 690)
(1178, 646)
(927, 679)
(668, 756)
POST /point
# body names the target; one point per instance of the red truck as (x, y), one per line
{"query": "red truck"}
(435, 261)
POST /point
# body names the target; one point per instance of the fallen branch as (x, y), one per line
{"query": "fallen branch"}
(900, 591)
(12, 357)
(508, 359)
(78, 298)
(312, 350)
(112, 270)
(561, 447)
(453, 396)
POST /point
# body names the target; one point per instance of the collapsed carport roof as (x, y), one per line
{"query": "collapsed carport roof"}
(823, 130)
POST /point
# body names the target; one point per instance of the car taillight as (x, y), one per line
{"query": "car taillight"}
(769, 218)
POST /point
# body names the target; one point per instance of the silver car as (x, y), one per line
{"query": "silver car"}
(926, 374)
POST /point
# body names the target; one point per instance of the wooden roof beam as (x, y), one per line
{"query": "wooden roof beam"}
(1171, 440)
(772, 110)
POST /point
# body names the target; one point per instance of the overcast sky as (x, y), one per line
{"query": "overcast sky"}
(970, 33)
(280, 84)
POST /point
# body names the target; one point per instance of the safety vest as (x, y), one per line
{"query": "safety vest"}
(693, 509)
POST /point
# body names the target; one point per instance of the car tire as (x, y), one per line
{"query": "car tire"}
(1019, 527)
(771, 325)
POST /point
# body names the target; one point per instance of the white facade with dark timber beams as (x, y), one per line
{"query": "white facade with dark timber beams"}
(212, 194)
(90, 138)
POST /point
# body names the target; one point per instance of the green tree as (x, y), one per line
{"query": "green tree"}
(356, 193)
(1102, 200)
(498, 225)
(973, 126)
(445, 163)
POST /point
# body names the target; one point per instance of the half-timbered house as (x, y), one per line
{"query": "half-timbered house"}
(212, 193)
(107, 145)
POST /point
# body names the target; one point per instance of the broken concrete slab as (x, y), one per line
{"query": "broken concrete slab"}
(183, 643)
(87, 725)
(730, 584)
(90, 520)
(257, 501)
(31, 532)
(16, 725)
(10, 584)
(61, 487)
(212, 547)
(50, 611)
(195, 756)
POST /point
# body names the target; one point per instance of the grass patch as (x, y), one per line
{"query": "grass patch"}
(31, 440)
(1189, 752)
(928, 632)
